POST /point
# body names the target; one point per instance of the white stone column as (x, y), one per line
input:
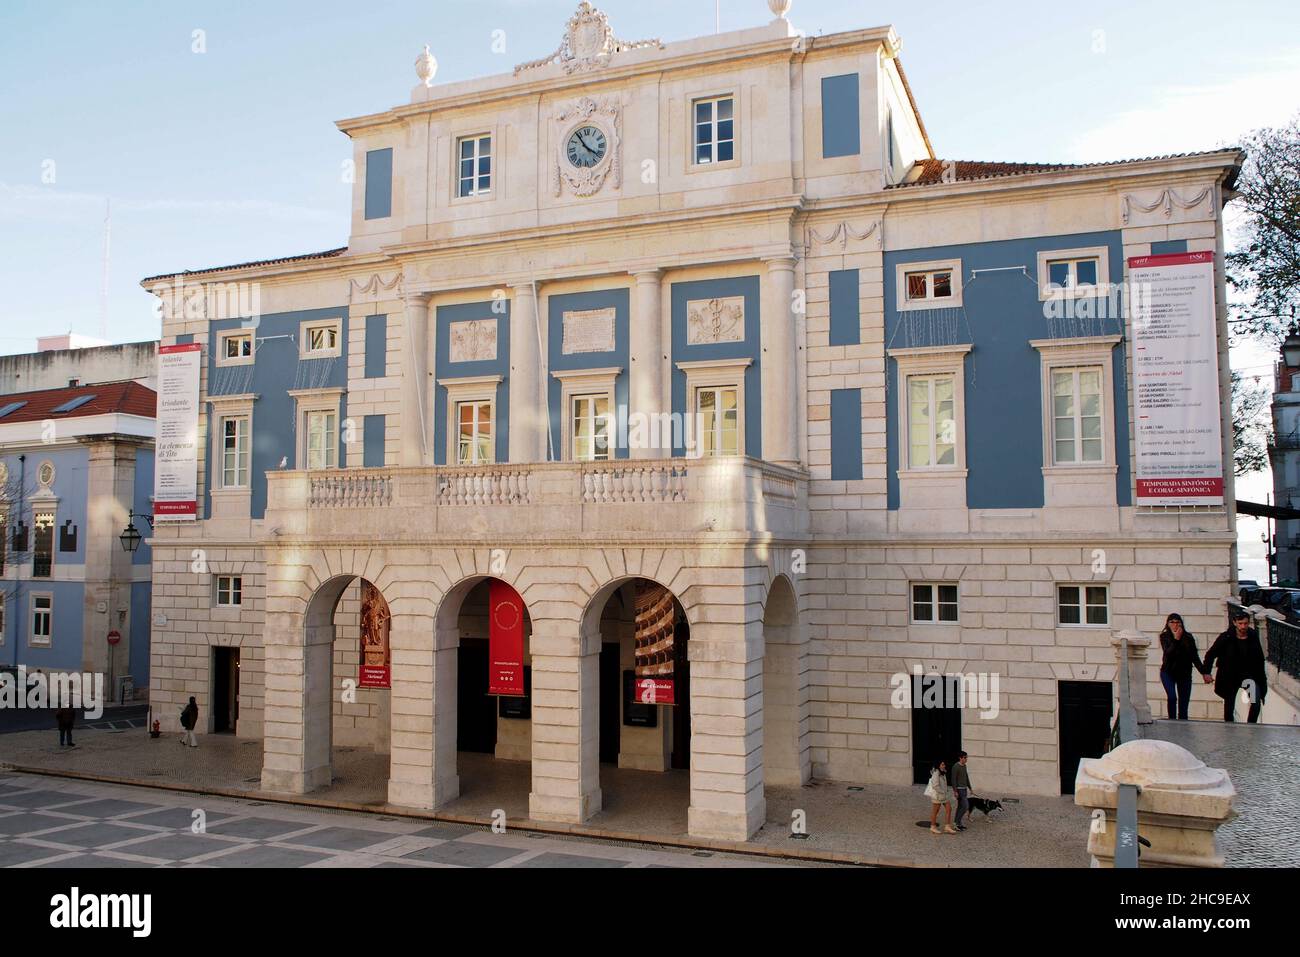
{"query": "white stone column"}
(646, 355)
(415, 406)
(566, 723)
(422, 771)
(727, 800)
(527, 398)
(780, 382)
(298, 727)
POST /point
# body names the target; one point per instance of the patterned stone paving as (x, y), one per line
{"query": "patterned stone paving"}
(1263, 761)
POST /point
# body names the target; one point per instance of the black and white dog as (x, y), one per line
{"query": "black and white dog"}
(987, 805)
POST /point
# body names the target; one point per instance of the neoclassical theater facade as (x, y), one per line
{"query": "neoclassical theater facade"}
(708, 317)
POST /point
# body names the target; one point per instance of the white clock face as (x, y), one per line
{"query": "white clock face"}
(587, 147)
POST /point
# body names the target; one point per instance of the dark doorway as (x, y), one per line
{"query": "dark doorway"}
(476, 710)
(225, 690)
(936, 723)
(1085, 715)
(681, 711)
(611, 692)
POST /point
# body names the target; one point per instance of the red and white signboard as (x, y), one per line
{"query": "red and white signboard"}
(176, 450)
(655, 691)
(505, 640)
(1176, 395)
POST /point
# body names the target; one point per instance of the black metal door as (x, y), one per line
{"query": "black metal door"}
(476, 710)
(610, 693)
(1085, 718)
(936, 723)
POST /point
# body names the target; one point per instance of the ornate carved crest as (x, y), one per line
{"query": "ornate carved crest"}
(715, 320)
(585, 182)
(474, 340)
(588, 43)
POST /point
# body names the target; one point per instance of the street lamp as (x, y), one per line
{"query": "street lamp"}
(130, 538)
(1291, 350)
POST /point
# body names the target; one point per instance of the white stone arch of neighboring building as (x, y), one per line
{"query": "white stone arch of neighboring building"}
(787, 753)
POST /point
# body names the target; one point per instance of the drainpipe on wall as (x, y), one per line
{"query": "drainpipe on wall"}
(18, 565)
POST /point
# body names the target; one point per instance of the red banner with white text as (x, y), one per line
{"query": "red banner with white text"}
(505, 640)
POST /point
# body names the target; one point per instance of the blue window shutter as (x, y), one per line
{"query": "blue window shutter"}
(372, 438)
(845, 317)
(846, 434)
(379, 184)
(841, 122)
(376, 347)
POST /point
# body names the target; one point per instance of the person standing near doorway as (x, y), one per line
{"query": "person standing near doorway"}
(1240, 658)
(1180, 657)
(189, 720)
(65, 717)
(961, 788)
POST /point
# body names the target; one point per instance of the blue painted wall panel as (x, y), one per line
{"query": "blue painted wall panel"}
(372, 455)
(846, 326)
(379, 184)
(141, 626)
(1166, 246)
(846, 434)
(276, 370)
(617, 299)
(1003, 373)
(841, 120)
(71, 480)
(376, 366)
(446, 315)
(67, 647)
(748, 348)
(140, 502)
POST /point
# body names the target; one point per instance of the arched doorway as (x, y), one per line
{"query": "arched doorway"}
(642, 633)
(786, 757)
(484, 641)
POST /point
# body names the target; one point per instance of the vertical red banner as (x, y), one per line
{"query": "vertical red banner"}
(376, 660)
(656, 617)
(505, 640)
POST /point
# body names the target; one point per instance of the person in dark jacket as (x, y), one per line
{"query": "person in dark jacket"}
(1240, 657)
(189, 719)
(1180, 657)
(65, 717)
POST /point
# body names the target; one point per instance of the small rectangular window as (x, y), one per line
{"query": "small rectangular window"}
(715, 130)
(929, 285)
(238, 346)
(234, 451)
(1077, 416)
(230, 590)
(43, 552)
(42, 619)
(474, 165)
(474, 433)
(1068, 274)
(322, 440)
(591, 428)
(718, 418)
(1082, 604)
(933, 603)
(323, 338)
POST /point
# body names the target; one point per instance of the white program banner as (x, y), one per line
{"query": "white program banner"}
(1176, 380)
(176, 451)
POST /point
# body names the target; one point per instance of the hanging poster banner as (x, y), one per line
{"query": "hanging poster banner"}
(505, 640)
(376, 656)
(176, 448)
(1177, 420)
(656, 614)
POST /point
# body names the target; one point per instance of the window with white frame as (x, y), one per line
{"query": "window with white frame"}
(230, 591)
(931, 421)
(934, 602)
(321, 339)
(321, 427)
(474, 443)
(928, 285)
(925, 285)
(474, 165)
(1071, 273)
(235, 348)
(1082, 604)
(715, 130)
(234, 451)
(718, 420)
(1077, 416)
(590, 428)
(42, 619)
(42, 544)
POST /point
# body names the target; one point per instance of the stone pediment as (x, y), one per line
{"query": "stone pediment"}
(588, 43)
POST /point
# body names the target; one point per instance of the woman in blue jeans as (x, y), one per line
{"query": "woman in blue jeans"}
(1180, 657)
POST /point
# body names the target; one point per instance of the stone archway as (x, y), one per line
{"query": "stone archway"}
(787, 759)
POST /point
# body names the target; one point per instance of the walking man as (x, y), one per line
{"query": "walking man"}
(1240, 657)
(961, 787)
(189, 719)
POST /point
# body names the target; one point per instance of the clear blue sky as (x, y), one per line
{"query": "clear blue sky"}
(231, 154)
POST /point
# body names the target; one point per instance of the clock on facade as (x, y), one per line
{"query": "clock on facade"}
(587, 146)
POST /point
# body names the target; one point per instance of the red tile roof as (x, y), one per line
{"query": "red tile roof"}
(326, 254)
(931, 170)
(126, 398)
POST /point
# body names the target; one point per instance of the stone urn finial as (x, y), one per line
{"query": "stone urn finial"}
(780, 7)
(426, 66)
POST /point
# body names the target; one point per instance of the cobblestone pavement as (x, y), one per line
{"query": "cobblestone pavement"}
(1263, 761)
(873, 823)
(52, 822)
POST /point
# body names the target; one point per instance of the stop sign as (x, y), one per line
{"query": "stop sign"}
(114, 636)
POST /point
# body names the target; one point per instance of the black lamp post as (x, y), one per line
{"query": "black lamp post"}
(130, 538)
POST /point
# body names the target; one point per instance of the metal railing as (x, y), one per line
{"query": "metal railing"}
(1284, 647)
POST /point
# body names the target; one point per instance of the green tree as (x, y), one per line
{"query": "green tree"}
(1250, 425)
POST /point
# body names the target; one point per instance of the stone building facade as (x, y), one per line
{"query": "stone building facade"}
(748, 235)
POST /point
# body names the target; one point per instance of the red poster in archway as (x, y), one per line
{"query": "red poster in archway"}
(376, 659)
(505, 640)
(656, 618)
